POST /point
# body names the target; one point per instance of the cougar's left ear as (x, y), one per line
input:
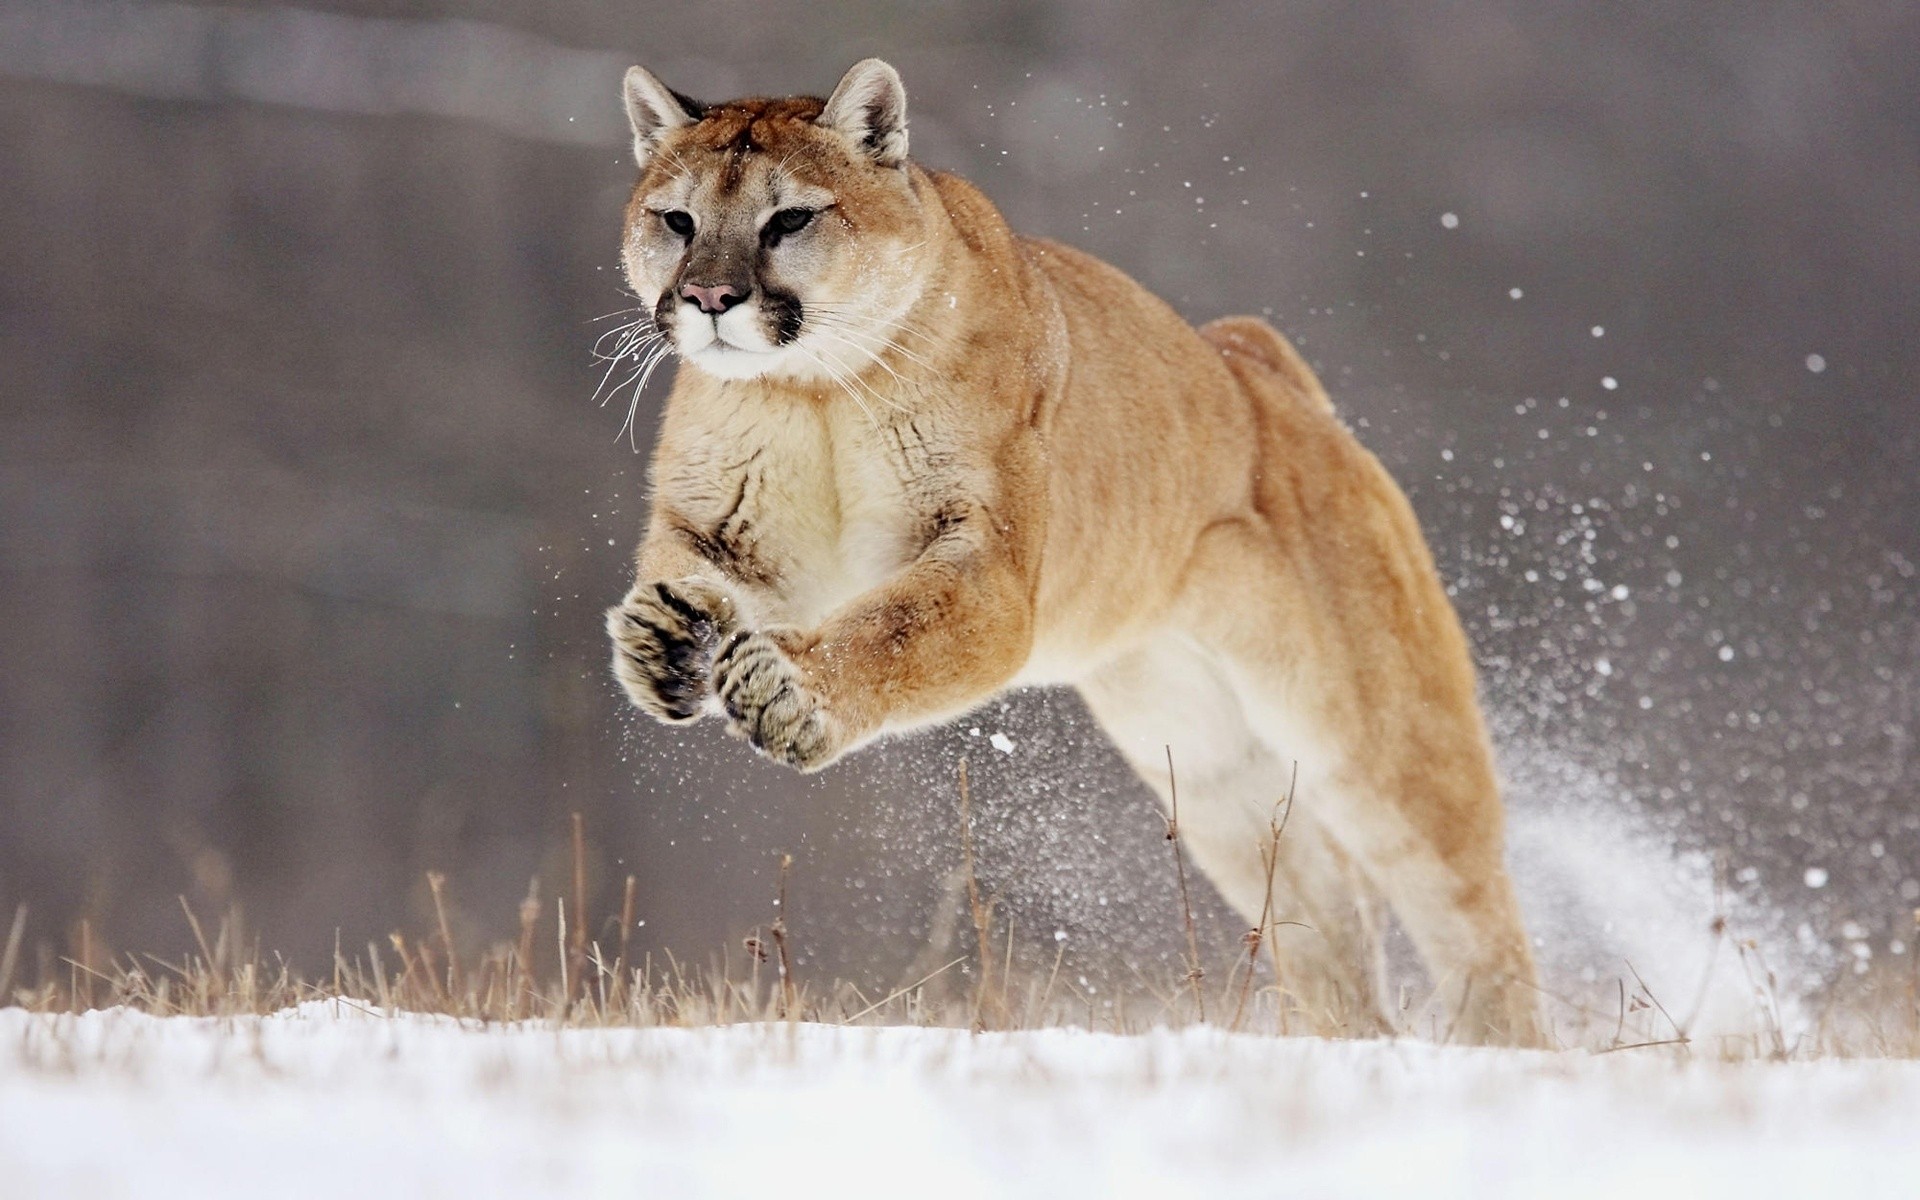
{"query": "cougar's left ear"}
(654, 110)
(870, 107)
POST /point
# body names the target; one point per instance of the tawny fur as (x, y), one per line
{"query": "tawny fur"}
(981, 461)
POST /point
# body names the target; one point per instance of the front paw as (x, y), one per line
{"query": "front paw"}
(663, 640)
(769, 703)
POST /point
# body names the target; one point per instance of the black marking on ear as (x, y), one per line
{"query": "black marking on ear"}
(877, 114)
(688, 105)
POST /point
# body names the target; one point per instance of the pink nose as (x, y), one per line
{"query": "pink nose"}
(712, 299)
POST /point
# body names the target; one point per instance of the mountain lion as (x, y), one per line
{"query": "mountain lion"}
(913, 459)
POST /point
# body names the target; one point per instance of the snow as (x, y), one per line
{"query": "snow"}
(328, 1100)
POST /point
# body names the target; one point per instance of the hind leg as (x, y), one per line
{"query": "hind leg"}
(1373, 695)
(1332, 964)
(1171, 697)
(1451, 892)
(1420, 816)
(1323, 934)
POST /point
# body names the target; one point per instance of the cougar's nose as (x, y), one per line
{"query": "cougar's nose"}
(712, 299)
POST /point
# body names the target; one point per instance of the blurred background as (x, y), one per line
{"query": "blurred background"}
(308, 510)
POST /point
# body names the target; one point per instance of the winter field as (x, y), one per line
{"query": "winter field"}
(1690, 1064)
(330, 1098)
(307, 526)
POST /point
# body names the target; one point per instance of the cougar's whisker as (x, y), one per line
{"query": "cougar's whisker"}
(871, 357)
(647, 368)
(839, 379)
(829, 322)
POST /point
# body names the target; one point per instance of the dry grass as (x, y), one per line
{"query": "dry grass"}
(554, 972)
(987, 987)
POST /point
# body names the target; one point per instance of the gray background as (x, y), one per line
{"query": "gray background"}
(307, 513)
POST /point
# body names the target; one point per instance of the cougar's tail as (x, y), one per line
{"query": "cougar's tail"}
(1252, 341)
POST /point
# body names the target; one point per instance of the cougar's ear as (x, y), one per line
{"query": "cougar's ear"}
(654, 110)
(870, 107)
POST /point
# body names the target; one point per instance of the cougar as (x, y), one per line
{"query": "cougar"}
(912, 459)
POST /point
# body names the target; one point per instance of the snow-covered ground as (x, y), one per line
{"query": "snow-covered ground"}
(346, 1104)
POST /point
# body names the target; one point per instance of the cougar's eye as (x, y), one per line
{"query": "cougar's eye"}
(679, 222)
(786, 221)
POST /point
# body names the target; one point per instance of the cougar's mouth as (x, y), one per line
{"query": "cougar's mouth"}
(728, 359)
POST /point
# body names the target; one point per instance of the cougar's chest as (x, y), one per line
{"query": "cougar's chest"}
(829, 505)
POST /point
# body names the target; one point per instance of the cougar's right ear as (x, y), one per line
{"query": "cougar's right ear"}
(655, 110)
(870, 107)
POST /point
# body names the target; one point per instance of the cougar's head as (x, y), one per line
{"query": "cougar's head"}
(774, 237)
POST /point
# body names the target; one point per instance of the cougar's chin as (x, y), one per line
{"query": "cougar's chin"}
(725, 348)
(727, 361)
